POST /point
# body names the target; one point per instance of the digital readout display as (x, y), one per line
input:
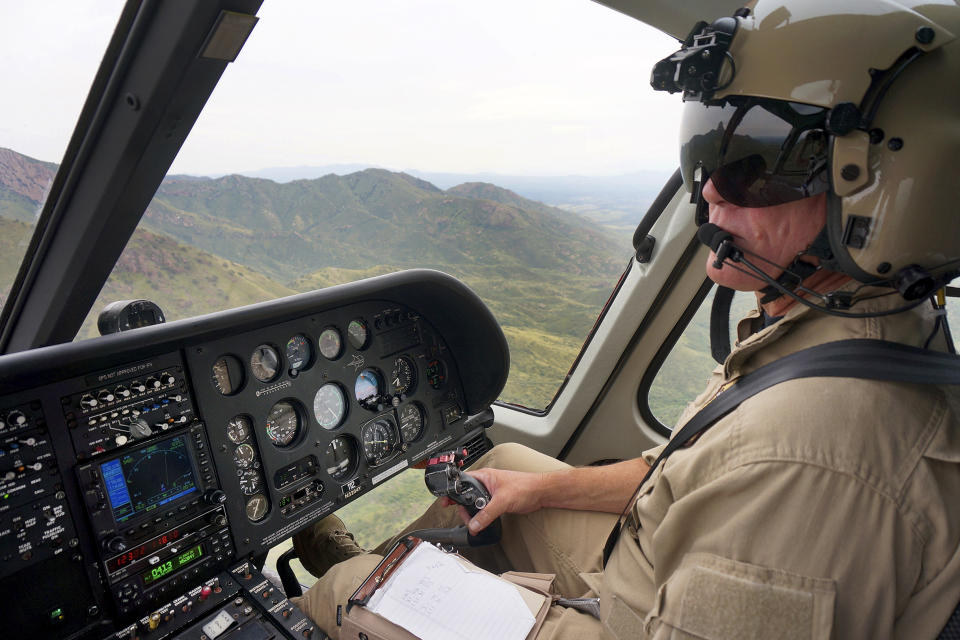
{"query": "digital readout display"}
(172, 565)
(146, 548)
(144, 480)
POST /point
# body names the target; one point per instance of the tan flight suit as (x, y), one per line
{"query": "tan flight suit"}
(819, 508)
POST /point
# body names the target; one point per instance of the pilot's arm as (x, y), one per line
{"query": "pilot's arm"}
(606, 489)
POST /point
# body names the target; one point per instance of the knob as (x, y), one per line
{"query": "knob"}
(154, 620)
(138, 387)
(152, 383)
(205, 593)
(167, 379)
(215, 496)
(122, 392)
(115, 544)
(87, 401)
(105, 396)
(218, 519)
(16, 419)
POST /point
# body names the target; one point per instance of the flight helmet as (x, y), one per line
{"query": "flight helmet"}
(858, 99)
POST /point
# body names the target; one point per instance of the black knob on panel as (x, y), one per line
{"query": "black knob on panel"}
(215, 496)
(218, 519)
(115, 544)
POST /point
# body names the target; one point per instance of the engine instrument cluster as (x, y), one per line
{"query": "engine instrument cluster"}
(139, 475)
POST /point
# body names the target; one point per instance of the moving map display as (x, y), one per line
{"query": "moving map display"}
(148, 478)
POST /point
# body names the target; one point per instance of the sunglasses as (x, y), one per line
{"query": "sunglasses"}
(757, 152)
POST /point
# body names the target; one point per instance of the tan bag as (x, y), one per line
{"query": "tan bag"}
(359, 623)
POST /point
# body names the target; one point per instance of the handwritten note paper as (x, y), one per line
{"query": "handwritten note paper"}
(436, 596)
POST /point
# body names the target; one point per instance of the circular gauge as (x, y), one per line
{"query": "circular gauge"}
(330, 343)
(367, 387)
(298, 352)
(379, 440)
(227, 376)
(436, 373)
(411, 422)
(330, 405)
(243, 456)
(238, 429)
(257, 507)
(403, 377)
(265, 363)
(340, 458)
(250, 482)
(358, 334)
(283, 424)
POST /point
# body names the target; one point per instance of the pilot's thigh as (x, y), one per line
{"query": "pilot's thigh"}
(334, 588)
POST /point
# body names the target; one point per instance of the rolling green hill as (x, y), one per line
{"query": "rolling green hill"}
(210, 244)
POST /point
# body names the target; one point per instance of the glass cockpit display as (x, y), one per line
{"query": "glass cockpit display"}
(148, 478)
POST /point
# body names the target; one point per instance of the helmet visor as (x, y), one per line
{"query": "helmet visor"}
(758, 153)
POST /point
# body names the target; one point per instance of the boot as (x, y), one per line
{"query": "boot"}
(325, 544)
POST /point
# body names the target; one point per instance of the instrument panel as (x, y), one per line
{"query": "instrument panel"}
(140, 468)
(306, 414)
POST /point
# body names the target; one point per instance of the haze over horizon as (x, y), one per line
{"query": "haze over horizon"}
(534, 88)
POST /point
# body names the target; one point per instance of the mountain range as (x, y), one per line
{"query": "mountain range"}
(207, 244)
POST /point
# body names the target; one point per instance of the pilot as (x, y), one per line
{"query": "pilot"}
(818, 137)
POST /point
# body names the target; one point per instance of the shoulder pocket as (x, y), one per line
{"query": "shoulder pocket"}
(718, 598)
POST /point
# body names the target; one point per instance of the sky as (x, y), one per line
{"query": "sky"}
(524, 87)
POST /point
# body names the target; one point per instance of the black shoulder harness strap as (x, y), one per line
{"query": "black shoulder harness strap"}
(861, 358)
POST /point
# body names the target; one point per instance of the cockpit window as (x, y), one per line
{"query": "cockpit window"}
(507, 147)
(42, 97)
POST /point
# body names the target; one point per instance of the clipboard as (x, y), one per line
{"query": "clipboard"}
(534, 590)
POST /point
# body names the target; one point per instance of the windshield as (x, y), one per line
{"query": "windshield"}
(515, 148)
(45, 79)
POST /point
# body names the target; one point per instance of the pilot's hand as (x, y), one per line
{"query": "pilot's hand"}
(510, 492)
